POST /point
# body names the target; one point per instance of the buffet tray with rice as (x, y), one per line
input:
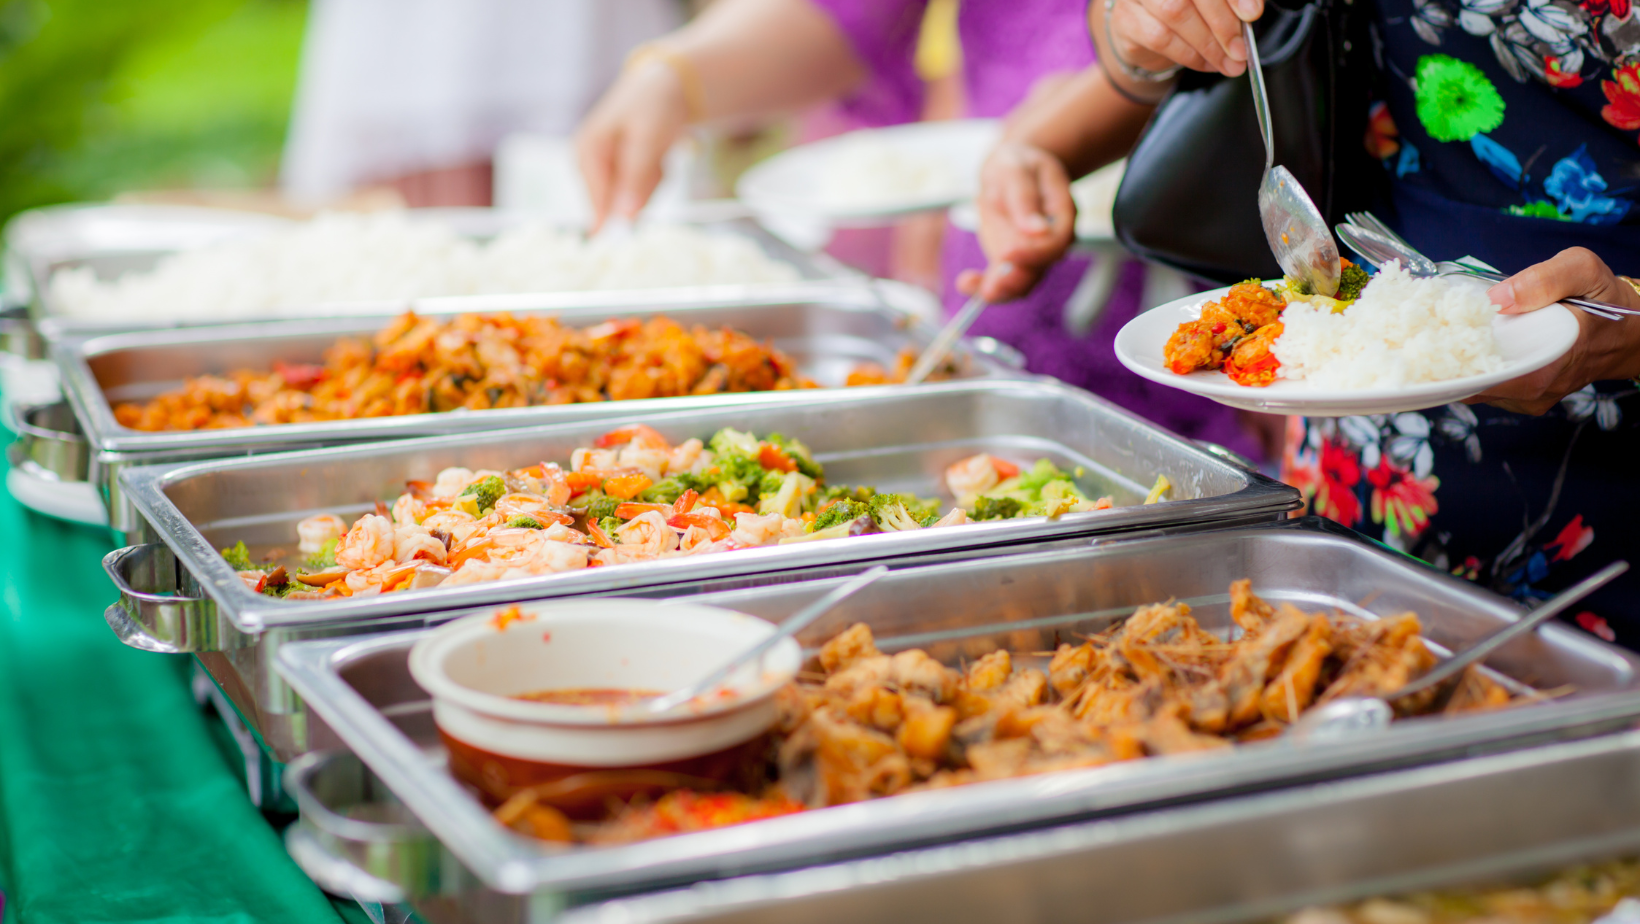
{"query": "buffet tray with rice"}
(1021, 692)
(205, 392)
(179, 593)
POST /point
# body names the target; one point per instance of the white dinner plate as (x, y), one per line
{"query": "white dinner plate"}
(809, 181)
(1528, 342)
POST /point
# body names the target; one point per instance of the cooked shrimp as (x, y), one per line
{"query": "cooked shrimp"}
(683, 456)
(595, 459)
(647, 533)
(411, 542)
(315, 531)
(367, 544)
(956, 516)
(753, 529)
(973, 475)
(530, 505)
(408, 511)
(452, 481)
(460, 524)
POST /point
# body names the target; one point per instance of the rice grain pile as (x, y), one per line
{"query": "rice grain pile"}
(388, 256)
(866, 172)
(1400, 331)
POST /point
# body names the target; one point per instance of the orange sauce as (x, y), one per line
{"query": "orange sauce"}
(588, 696)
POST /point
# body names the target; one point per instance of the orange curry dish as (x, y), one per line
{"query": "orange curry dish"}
(422, 365)
(1234, 333)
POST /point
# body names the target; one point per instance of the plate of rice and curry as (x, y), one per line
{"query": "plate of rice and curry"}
(1388, 343)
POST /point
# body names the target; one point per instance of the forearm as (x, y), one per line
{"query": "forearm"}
(1085, 124)
(759, 57)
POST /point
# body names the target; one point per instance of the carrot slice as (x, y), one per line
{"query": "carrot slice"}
(627, 487)
(1005, 469)
(582, 482)
(622, 435)
(774, 458)
(631, 510)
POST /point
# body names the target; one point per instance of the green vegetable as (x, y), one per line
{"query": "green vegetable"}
(900, 511)
(487, 491)
(1350, 282)
(284, 586)
(799, 454)
(736, 476)
(843, 511)
(609, 525)
(784, 493)
(238, 557)
(997, 508)
(324, 558)
(730, 441)
(670, 488)
(601, 506)
(929, 520)
(524, 523)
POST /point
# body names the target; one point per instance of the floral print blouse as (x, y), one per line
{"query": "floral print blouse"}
(1510, 130)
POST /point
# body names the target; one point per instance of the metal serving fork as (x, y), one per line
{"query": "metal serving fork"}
(1375, 242)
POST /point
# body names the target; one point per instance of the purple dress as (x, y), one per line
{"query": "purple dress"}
(1007, 46)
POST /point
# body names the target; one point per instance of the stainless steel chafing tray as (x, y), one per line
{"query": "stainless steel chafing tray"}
(361, 692)
(828, 328)
(116, 239)
(896, 438)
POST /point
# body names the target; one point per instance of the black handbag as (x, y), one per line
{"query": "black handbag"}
(1189, 198)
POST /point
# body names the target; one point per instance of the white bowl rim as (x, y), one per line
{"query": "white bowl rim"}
(427, 654)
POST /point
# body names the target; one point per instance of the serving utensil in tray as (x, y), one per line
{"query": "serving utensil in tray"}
(828, 328)
(362, 699)
(178, 594)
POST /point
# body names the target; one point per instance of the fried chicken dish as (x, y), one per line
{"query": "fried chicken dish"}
(869, 724)
(1233, 334)
(422, 365)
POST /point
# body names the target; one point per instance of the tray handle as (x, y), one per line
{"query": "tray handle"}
(161, 619)
(386, 861)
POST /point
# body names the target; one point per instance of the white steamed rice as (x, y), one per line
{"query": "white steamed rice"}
(865, 172)
(1400, 331)
(391, 256)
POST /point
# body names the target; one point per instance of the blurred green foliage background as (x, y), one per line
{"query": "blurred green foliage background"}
(103, 96)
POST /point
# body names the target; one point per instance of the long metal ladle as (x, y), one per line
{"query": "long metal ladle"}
(1298, 235)
(1352, 714)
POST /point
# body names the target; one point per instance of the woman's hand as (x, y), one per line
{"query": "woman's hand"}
(1026, 220)
(1605, 350)
(1203, 35)
(622, 144)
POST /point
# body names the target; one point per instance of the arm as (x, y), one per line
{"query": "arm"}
(740, 58)
(1027, 218)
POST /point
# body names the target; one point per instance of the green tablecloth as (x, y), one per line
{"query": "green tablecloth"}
(119, 800)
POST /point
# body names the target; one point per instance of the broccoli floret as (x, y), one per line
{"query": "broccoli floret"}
(609, 525)
(900, 511)
(524, 523)
(487, 491)
(997, 508)
(670, 488)
(1036, 479)
(929, 520)
(238, 557)
(1350, 282)
(601, 506)
(798, 453)
(324, 558)
(736, 476)
(843, 511)
(730, 441)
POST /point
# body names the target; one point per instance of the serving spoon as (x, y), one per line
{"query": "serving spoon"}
(1351, 714)
(945, 340)
(799, 621)
(1297, 233)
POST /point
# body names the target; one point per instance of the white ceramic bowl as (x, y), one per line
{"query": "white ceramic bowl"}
(474, 666)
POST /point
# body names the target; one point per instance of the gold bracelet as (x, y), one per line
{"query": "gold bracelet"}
(1632, 284)
(694, 93)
